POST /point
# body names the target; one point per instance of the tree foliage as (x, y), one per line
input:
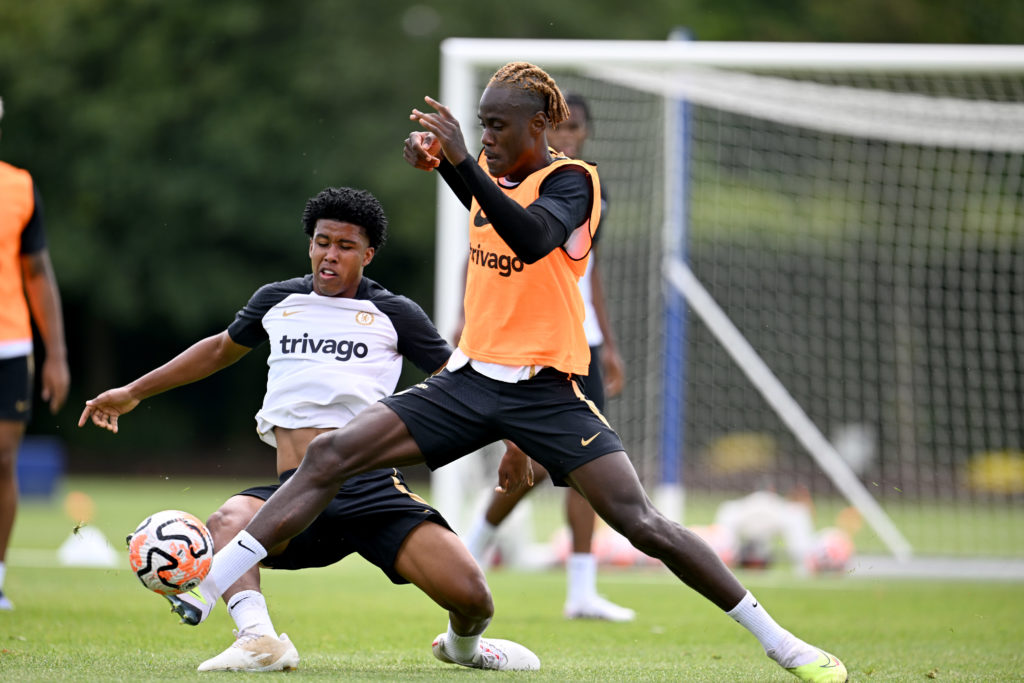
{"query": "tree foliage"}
(175, 144)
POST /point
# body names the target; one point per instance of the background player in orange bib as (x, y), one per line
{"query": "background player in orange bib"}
(28, 292)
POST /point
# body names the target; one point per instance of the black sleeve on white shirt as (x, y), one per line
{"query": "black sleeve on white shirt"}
(247, 328)
(418, 338)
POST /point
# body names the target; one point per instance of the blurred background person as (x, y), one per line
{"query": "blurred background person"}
(28, 292)
(758, 530)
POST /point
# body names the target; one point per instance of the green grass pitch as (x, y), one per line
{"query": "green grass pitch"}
(349, 622)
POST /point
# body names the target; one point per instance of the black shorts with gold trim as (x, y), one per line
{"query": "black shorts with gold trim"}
(371, 514)
(454, 413)
(16, 376)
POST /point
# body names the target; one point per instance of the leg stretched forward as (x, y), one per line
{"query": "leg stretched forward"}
(376, 438)
(611, 485)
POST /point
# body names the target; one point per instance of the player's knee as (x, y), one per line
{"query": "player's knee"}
(475, 600)
(8, 457)
(647, 532)
(325, 458)
(337, 456)
(227, 521)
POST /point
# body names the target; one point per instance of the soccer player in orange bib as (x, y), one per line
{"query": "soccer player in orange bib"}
(532, 218)
(606, 367)
(28, 291)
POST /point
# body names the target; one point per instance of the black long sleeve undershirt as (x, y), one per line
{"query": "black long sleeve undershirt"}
(531, 233)
(455, 183)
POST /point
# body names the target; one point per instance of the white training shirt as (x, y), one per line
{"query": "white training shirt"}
(332, 357)
(591, 327)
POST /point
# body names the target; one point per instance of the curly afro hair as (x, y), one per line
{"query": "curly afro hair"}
(349, 205)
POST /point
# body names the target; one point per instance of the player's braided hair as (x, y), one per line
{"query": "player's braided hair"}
(536, 81)
(349, 205)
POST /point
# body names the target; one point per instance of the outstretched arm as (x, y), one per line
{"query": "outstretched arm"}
(531, 233)
(200, 360)
(44, 301)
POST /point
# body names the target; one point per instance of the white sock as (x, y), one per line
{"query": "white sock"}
(3, 574)
(461, 648)
(755, 618)
(242, 553)
(778, 643)
(249, 610)
(581, 577)
(480, 539)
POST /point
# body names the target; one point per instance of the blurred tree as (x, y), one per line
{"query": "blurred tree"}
(175, 147)
(175, 144)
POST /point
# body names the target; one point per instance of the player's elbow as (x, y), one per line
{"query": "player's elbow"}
(530, 257)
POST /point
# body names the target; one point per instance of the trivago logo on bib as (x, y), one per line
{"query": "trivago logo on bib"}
(341, 349)
(503, 263)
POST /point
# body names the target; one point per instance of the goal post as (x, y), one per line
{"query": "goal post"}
(851, 217)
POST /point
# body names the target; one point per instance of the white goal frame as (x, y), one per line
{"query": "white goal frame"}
(461, 56)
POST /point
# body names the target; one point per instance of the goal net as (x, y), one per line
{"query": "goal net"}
(814, 263)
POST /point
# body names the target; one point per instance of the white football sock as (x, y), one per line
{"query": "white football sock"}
(752, 616)
(461, 648)
(3, 574)
(581, 577)
(480, 539)
(778, 643)
(242, 553)
(249, 610)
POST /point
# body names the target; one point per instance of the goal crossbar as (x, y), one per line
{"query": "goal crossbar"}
(648, 53)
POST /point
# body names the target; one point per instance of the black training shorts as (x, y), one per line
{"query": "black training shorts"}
(455, 413)
(16, 388)
(371, 515)
(593, 383)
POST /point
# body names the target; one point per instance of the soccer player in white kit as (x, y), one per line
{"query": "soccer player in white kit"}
(336, 341)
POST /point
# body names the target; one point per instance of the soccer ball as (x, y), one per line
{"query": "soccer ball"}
(171, 552)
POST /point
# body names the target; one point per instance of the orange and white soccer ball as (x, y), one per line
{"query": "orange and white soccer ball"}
(171, 552)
